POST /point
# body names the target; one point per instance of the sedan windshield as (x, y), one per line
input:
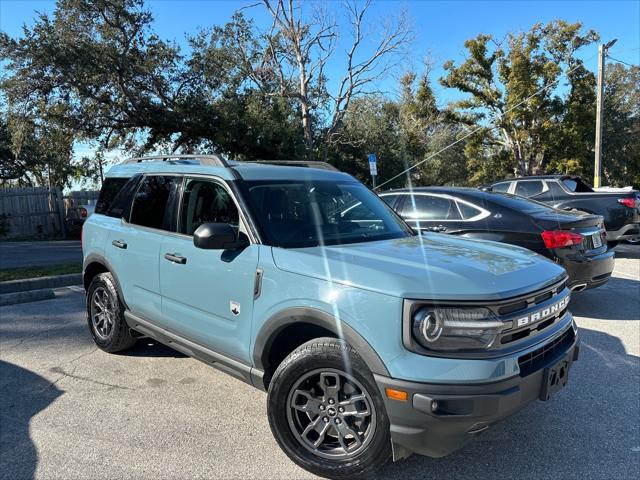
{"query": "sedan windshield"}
(310, 213)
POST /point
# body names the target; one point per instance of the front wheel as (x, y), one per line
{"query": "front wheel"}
(326, 413)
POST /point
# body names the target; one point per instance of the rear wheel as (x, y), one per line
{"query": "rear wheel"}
(326, 413)
(105, 314)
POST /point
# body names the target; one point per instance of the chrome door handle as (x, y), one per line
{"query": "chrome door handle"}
(119, 244)
(175, 258)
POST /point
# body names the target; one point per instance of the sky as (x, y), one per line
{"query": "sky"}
(440, 27)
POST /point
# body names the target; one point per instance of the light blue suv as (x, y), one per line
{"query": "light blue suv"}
(371, 342)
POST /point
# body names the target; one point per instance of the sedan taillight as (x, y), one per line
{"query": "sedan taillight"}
(561, 238)
(628, 202)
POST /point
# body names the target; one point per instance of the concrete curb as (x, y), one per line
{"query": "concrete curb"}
(25, 297)
(29, 284)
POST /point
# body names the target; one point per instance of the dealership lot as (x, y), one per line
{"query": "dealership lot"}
(71, 411)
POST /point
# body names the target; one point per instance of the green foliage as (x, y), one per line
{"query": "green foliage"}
(621, 126)
(96, 68)
(511, 88)
(95, 72)
(34, 154)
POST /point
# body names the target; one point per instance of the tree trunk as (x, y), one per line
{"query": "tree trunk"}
(520, 168)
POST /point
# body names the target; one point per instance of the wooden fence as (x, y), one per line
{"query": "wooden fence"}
(81, 197)
(37, 211)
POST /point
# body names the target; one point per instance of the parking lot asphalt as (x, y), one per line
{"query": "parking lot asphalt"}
(38, 254)
(71, 411)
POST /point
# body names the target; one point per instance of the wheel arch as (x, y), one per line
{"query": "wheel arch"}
(95, 264)
(290, 328)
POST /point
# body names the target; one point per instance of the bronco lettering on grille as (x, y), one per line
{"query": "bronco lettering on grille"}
(542, 314)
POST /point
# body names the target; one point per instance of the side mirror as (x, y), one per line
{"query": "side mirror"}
(218, 236)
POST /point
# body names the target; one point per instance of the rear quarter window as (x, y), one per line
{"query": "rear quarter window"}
(110, 189)
(501, 187)
(468, 211)
(576, 185)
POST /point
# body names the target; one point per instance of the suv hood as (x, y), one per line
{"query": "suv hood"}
(432, 266)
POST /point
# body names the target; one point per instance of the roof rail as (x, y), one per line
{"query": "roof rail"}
(298, 163)
(210, 160)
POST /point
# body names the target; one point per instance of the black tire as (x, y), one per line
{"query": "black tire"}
(331, 358)
(612, 245)
(115, 335)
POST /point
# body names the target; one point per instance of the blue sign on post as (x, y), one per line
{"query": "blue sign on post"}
(373, 166)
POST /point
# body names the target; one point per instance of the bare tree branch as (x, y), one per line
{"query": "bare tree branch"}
(299, 46)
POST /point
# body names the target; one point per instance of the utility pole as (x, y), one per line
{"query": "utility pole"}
(602, 53)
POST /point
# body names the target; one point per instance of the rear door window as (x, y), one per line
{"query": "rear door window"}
(529, 188)
(430, 207)
(150, 203)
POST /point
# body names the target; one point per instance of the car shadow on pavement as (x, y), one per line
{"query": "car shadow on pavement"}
(618, 299)
(148, 347)
(24, 394)
(628, 251)
(587, 430)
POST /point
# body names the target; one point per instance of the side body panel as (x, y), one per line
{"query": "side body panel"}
(137, 266)
(375, 317)
(209, 298)
(95, 233)
(601, 203)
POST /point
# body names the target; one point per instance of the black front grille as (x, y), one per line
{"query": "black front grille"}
(521, 304)
(540, 357)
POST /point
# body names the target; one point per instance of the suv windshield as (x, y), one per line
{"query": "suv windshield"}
(311, 213)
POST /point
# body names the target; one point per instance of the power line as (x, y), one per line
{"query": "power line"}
(475, 130)
(621, 61)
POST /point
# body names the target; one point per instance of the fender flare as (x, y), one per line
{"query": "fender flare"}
(275, 324)
(100, 259)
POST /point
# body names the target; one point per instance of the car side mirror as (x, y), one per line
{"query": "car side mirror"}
(218, 236)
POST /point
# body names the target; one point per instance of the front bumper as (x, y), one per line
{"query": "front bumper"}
(466, 410)
(588, 271)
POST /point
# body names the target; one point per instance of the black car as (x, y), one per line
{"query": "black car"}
(575, 240)
(620, 209)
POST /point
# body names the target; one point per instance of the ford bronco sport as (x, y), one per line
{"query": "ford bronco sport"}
(371, 342)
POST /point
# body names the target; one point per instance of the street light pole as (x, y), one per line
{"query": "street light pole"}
(597, 170)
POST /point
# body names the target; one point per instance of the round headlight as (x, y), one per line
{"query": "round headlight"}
(451, 328)
(428, 324)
